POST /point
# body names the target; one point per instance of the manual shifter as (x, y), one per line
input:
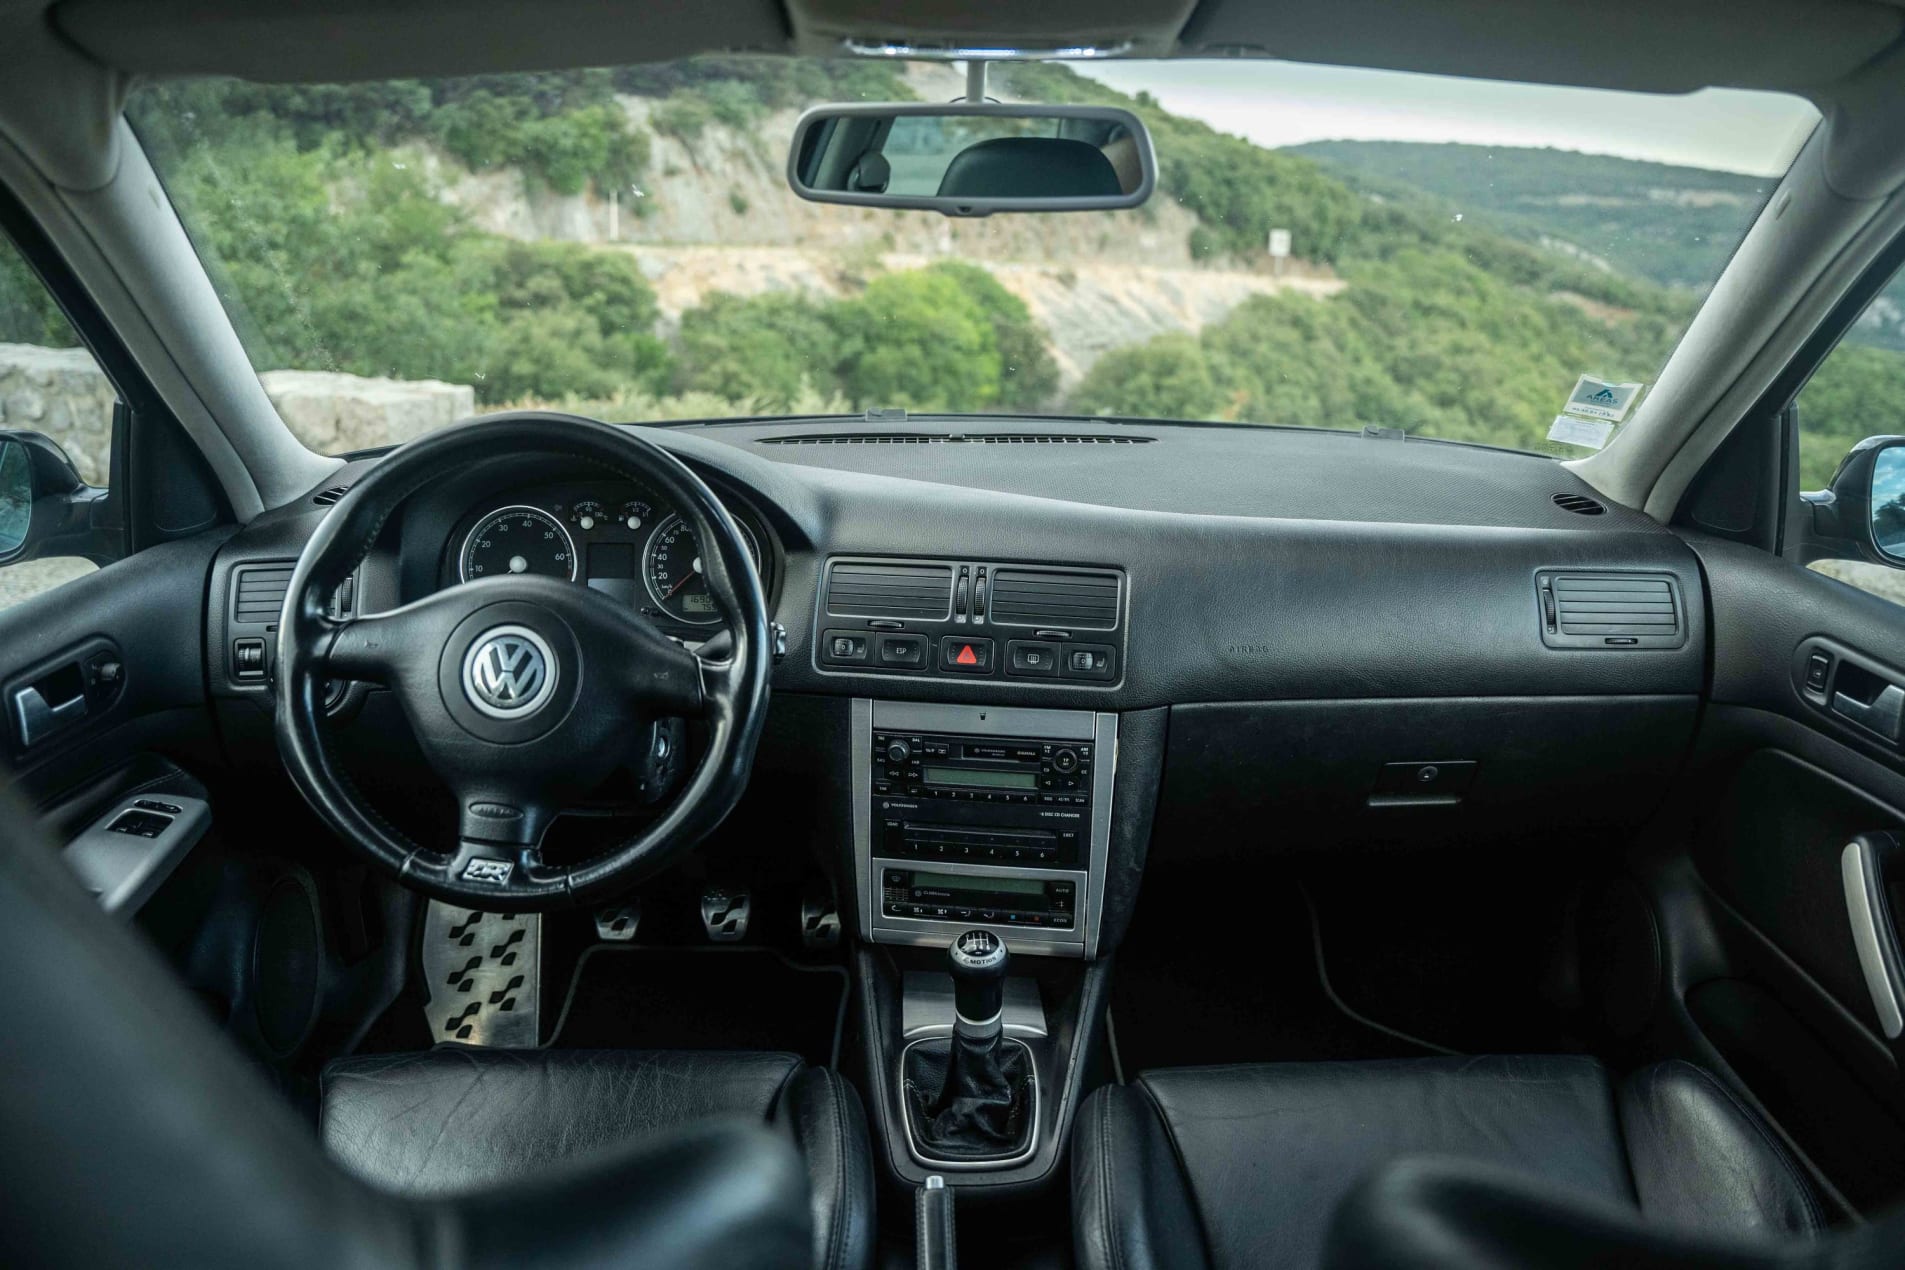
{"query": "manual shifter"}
(972, 1097)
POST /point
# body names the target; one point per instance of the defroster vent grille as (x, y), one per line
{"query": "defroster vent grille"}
(919, 591)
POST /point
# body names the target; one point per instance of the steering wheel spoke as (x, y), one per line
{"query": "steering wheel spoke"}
(368, 649)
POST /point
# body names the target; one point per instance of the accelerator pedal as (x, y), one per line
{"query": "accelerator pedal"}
(819, 916)
(482, 973)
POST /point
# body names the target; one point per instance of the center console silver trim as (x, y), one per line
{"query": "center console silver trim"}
(1100, 728)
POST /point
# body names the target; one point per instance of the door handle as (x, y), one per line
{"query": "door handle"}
(1868, 909)
(35, 718)
(1883, 714)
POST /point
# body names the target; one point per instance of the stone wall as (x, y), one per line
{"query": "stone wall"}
(61, 392)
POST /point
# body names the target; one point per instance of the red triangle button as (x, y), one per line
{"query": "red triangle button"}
(966, 656)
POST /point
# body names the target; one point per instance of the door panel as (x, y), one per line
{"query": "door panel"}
(1770, 981)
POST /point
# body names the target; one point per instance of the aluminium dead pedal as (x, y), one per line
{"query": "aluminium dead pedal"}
(618, 922)
(482, 974)
(724, 914)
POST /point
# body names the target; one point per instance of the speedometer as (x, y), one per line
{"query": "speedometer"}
(672, 569)
(518, 540)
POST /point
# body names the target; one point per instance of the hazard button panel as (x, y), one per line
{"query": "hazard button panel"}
(965, 655)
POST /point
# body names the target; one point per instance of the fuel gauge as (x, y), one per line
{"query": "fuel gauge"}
(636, 513)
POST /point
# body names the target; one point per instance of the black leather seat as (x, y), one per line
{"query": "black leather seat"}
(1030, 167)
(1245, 1166)
(455, 1118)
(136, 1135)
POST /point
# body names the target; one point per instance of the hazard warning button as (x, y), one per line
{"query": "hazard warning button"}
(966, 655)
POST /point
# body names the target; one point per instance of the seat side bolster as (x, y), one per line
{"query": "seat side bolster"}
(824, 1115)
(1131, 1206)
(1703, 1160)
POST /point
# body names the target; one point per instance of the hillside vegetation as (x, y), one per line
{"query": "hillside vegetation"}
(1474, 286)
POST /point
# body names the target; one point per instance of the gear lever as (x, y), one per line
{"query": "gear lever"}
(970, 1097)
(978, 973)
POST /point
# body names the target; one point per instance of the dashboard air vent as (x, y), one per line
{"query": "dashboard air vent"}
(1611, 610)
(1579, 504)
(331, 495)
(260, 594)
(972, 438)
(1067, 598)
(920, 591)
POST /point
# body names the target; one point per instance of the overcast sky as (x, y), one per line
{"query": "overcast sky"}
(1287, 103)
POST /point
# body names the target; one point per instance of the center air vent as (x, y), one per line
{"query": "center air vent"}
(919, 591)
(969, 438)
(1611, 610)
(1069, 599)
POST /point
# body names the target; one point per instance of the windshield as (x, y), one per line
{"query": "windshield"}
(1326, 248)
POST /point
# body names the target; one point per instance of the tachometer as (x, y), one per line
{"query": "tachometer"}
(672, 568)
(518, 540)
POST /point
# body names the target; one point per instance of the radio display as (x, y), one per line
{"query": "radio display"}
(954, 882)
(979, 776)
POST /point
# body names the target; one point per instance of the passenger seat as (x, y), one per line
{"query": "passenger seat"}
(1245, 1166)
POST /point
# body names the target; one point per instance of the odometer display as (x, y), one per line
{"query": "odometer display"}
(518, 540)
(673, 571)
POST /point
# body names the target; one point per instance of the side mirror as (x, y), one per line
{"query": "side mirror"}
(46, 509)
(1885, 500)
(972, 158)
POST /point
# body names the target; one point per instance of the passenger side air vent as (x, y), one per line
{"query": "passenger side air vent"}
(1611, 610)
(971, 438)
(259, 596)
(1579, 504)
(919, 591)
(330, 496)
(1067, 599)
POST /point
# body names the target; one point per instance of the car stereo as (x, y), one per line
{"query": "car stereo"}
(987, 816)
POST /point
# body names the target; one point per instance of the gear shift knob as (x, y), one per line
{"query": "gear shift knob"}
(978, 960)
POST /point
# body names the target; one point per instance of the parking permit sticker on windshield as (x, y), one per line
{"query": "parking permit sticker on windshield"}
(1597, 399)
(1591, 434)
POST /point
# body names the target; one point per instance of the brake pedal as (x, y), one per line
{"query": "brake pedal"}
(819, 917)
(483, 976)
(617, 923)
(724, 914)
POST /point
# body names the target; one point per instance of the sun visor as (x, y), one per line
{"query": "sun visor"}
(1142, 28)
(333, 40)
(1668, 46)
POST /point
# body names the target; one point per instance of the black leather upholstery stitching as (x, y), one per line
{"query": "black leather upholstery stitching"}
(843, 1197)
(1183, 1171)
(1115, 1251)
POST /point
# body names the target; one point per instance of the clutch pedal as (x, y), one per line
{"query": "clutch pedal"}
(482, 974)
(724, 914)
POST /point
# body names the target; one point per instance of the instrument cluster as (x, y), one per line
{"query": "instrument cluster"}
(616, 537)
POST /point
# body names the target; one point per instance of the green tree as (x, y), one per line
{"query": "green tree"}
(918, 339)
(1028, 373)
(760, 350)
(1165, 378)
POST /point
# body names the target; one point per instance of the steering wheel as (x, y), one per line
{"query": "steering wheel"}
(524, 692)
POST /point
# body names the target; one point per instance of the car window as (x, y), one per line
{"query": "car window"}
(50, 385)
(1857, 392)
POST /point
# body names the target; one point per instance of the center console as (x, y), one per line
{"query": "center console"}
(985, 816)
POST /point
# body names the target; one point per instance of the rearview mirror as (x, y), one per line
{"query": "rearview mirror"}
(973, 158)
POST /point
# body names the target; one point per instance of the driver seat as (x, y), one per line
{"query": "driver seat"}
(138, 1135)
(458, 1118)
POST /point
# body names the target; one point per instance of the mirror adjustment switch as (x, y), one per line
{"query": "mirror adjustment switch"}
(1089, 661)
(248, 658)
(845, 647)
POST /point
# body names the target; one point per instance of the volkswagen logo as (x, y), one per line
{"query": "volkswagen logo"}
(509, 673)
